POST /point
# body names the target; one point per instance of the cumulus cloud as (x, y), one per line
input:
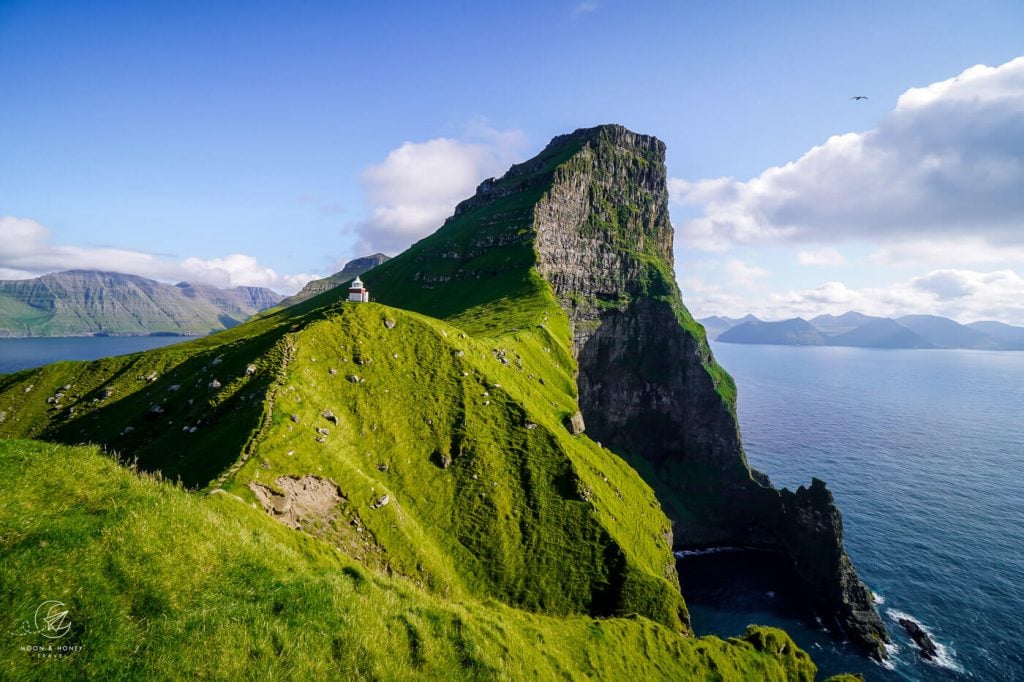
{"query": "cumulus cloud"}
(825, 256)
(964, 295)
(946, 163)
(417, 186)
(27, 250)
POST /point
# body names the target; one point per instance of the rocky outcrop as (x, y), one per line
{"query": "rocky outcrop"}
(352, 268)
(925, 645)
(649, 387)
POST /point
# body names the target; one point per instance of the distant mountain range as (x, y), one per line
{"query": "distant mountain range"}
(864, 331)
(90, 303)
(352, 269)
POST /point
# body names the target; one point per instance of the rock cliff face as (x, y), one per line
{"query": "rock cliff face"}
(649, 387)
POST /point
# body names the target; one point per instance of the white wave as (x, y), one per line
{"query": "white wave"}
(891, 650)
(944, 657)
(877, 598)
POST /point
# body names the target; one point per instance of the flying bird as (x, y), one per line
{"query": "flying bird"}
(859, 97)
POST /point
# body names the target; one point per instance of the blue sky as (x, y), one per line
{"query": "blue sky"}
(263, 143)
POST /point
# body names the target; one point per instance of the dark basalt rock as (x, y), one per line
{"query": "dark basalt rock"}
(925, 644)
(649, 387)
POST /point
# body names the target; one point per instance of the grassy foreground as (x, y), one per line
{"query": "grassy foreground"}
(161, 583)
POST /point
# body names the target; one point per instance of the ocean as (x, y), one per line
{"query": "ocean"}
(18, 354)
(924, 452)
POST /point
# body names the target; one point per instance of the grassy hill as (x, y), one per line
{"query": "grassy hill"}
(358, 490)
(237, 595)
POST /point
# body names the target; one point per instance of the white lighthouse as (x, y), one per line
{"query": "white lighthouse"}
(357, 293)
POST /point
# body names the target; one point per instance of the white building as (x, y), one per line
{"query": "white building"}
(357, 293)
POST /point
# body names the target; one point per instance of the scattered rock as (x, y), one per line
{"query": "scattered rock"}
(574, 423)
(389, 323)
(3, 416)
(217, 360)
(192, 429)
(353, 378)
(382, 466)
(67, 387)
(152, 376)
(330, 416)
(332, 371)
(394, 355)
(458, 353)
(215, 384)
(174, 387)
(322, 431)
(530, 426)
(155, 409)
(127, 429)
(294, 417)
(29, 388)
(925, 644)
(108, 392)
(442, 460)
(250, 370)
(321, 439)
(381, 502)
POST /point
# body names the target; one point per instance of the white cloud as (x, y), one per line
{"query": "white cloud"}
(585, 7)
(27, 250)
(825, 256)
(946, 163)
(745, 274)
(964, 295)
(967, 250)
(417, 186)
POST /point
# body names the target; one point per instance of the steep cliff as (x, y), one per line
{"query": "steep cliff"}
(589, 215)
(649, 386)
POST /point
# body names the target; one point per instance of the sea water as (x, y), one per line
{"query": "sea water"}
(924, 452)
(18, 354)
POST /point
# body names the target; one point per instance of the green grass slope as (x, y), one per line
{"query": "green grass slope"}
(523, 511)
(163, 584)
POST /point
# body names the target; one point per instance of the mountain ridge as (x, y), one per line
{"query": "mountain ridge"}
(857, 330)
(92, 302)
(354, 267)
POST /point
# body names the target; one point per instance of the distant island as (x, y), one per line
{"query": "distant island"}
(94, 303)
(865, 331)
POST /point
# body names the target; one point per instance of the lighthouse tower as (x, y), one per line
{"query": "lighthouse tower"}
(357, 293)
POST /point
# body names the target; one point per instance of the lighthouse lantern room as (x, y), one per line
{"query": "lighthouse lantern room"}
(358, 293)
